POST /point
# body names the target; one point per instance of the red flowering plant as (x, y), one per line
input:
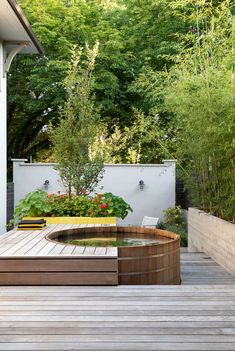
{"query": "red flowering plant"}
(114, 206)
(59, 205)
(109, 205)
(39, 203)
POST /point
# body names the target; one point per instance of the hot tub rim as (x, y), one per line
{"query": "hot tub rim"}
(173, 236)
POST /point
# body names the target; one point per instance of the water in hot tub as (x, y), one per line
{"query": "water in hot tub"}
(111, 239)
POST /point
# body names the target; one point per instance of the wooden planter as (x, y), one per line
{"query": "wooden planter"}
(77, 220)
(212, 235)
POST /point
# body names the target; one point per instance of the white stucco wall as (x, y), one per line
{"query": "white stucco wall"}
(122, 180)
(3, 146)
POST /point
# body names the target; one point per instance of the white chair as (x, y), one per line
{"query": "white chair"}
(149, 222)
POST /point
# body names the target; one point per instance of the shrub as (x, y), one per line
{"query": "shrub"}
(39, 203)
(181, 231)
(174, 216)
(174, 222)
(204, 112)
(33, 204)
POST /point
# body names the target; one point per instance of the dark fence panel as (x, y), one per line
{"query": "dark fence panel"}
(10, 200)
(182, 197)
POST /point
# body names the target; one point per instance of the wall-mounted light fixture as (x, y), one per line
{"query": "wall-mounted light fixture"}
(46, 184)
(141, 185)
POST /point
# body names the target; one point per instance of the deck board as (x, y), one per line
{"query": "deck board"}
(130, 318)
(33, 243)
(198, 268)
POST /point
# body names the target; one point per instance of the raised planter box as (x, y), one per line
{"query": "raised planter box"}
(77, 220)
(212, 235)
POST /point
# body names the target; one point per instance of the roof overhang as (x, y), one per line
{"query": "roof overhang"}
(15, 29)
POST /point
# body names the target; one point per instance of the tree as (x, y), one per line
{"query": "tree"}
(143, 142)
(133, 34)
(77, 128)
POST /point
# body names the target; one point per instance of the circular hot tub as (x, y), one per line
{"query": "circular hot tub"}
(145, 256)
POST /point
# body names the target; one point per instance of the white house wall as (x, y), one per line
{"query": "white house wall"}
(3, 148)
(122, 180)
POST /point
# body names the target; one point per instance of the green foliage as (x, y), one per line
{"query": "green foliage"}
(174, 216)
(169, 61)
(204, 112)
(33, 204)
(77, 128)
(180, 230)
(35, 99)
(133, 35)
(143, 142)
(174, 222)
(39, 203)
(116, 205)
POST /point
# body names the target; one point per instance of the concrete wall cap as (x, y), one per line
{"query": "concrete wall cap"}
(19, 159)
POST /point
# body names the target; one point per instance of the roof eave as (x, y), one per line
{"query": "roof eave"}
(23, 20)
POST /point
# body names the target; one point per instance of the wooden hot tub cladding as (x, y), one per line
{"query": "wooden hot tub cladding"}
(154, 263)
(150, 264)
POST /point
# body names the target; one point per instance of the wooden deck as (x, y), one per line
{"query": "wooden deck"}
(118, 318)
(198, 315)
(33, 244)
(199, 269)
(27, 258)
